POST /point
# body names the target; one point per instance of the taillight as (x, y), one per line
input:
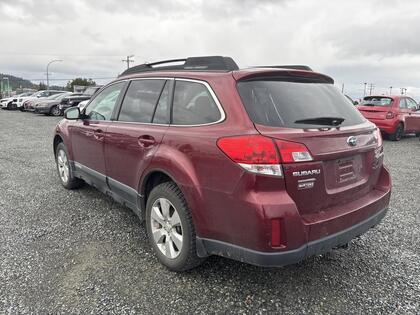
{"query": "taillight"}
(378, 137)
(379, 150)
(259, 154)
(256, 154)
(390, 115)
(292, 152)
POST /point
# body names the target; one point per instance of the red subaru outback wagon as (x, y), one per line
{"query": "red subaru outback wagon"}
(264, 165)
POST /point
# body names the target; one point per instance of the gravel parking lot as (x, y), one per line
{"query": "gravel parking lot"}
(79, 252)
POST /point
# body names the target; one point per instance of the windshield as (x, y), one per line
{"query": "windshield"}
(377, 101)
(25, 94)
(90, 91)
(61, 96)
(55, 96)
(296, 104)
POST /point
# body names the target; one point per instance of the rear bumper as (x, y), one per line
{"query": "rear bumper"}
(207, 247)
(386, 125)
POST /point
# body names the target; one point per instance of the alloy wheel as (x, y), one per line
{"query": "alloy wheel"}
(63, 166)
(55, 111)
(166, 228)
(398, 133)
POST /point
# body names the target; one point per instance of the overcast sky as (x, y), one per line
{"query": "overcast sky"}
(357, 41)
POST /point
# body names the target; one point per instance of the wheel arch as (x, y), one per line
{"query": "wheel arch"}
(156, 176)
(57, 140)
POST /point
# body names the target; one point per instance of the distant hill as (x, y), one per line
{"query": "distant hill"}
(16, 82)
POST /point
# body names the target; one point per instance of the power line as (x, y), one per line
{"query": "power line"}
(58, 54)
(63, 79)
(371, 87)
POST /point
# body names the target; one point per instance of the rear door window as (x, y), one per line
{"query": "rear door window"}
(140, 101)
(411, 104)
(278, 103)
(193, 104)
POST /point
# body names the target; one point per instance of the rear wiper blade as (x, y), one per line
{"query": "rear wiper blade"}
(327, 121)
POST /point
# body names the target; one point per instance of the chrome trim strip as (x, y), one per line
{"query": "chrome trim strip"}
(138, 123)
(213, 95)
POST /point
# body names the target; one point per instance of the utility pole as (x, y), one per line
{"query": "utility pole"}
(364, 90)
(48, 78)
(128, 60)
(342, 88)
(371, 87)
(390, 90)
(8, 85)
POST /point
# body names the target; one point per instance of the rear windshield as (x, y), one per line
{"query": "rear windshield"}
(281, 104)
(377, 101)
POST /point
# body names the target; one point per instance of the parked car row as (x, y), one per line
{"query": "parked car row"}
(48, 102)
(11, 102)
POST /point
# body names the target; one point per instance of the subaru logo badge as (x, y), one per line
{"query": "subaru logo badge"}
(352, 141)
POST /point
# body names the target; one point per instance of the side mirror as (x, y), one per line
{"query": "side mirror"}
(72, 113)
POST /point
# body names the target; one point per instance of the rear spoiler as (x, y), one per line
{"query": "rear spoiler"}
(280, 73)
(293, 67)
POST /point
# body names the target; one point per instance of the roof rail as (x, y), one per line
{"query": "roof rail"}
(206, 63)
(294, 67)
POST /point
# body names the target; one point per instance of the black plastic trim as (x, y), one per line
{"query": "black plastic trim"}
(204, 63)
(206, 247)
(118, 191)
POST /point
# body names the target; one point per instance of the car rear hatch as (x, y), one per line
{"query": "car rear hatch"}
(375, 107)
(344, 160)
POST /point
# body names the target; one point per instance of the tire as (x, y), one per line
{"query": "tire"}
(65, 173)
(180, 228)
(10, 106)
(397, 135)
(55, 111)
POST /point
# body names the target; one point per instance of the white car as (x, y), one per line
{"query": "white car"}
(39, 94)
(10, 102)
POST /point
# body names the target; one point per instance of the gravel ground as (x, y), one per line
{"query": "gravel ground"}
(79, 252)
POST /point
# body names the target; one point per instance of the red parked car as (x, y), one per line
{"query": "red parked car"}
(265, 165)
(394, 115)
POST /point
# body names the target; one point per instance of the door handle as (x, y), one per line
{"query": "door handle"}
(98, 134)
(146, 141)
